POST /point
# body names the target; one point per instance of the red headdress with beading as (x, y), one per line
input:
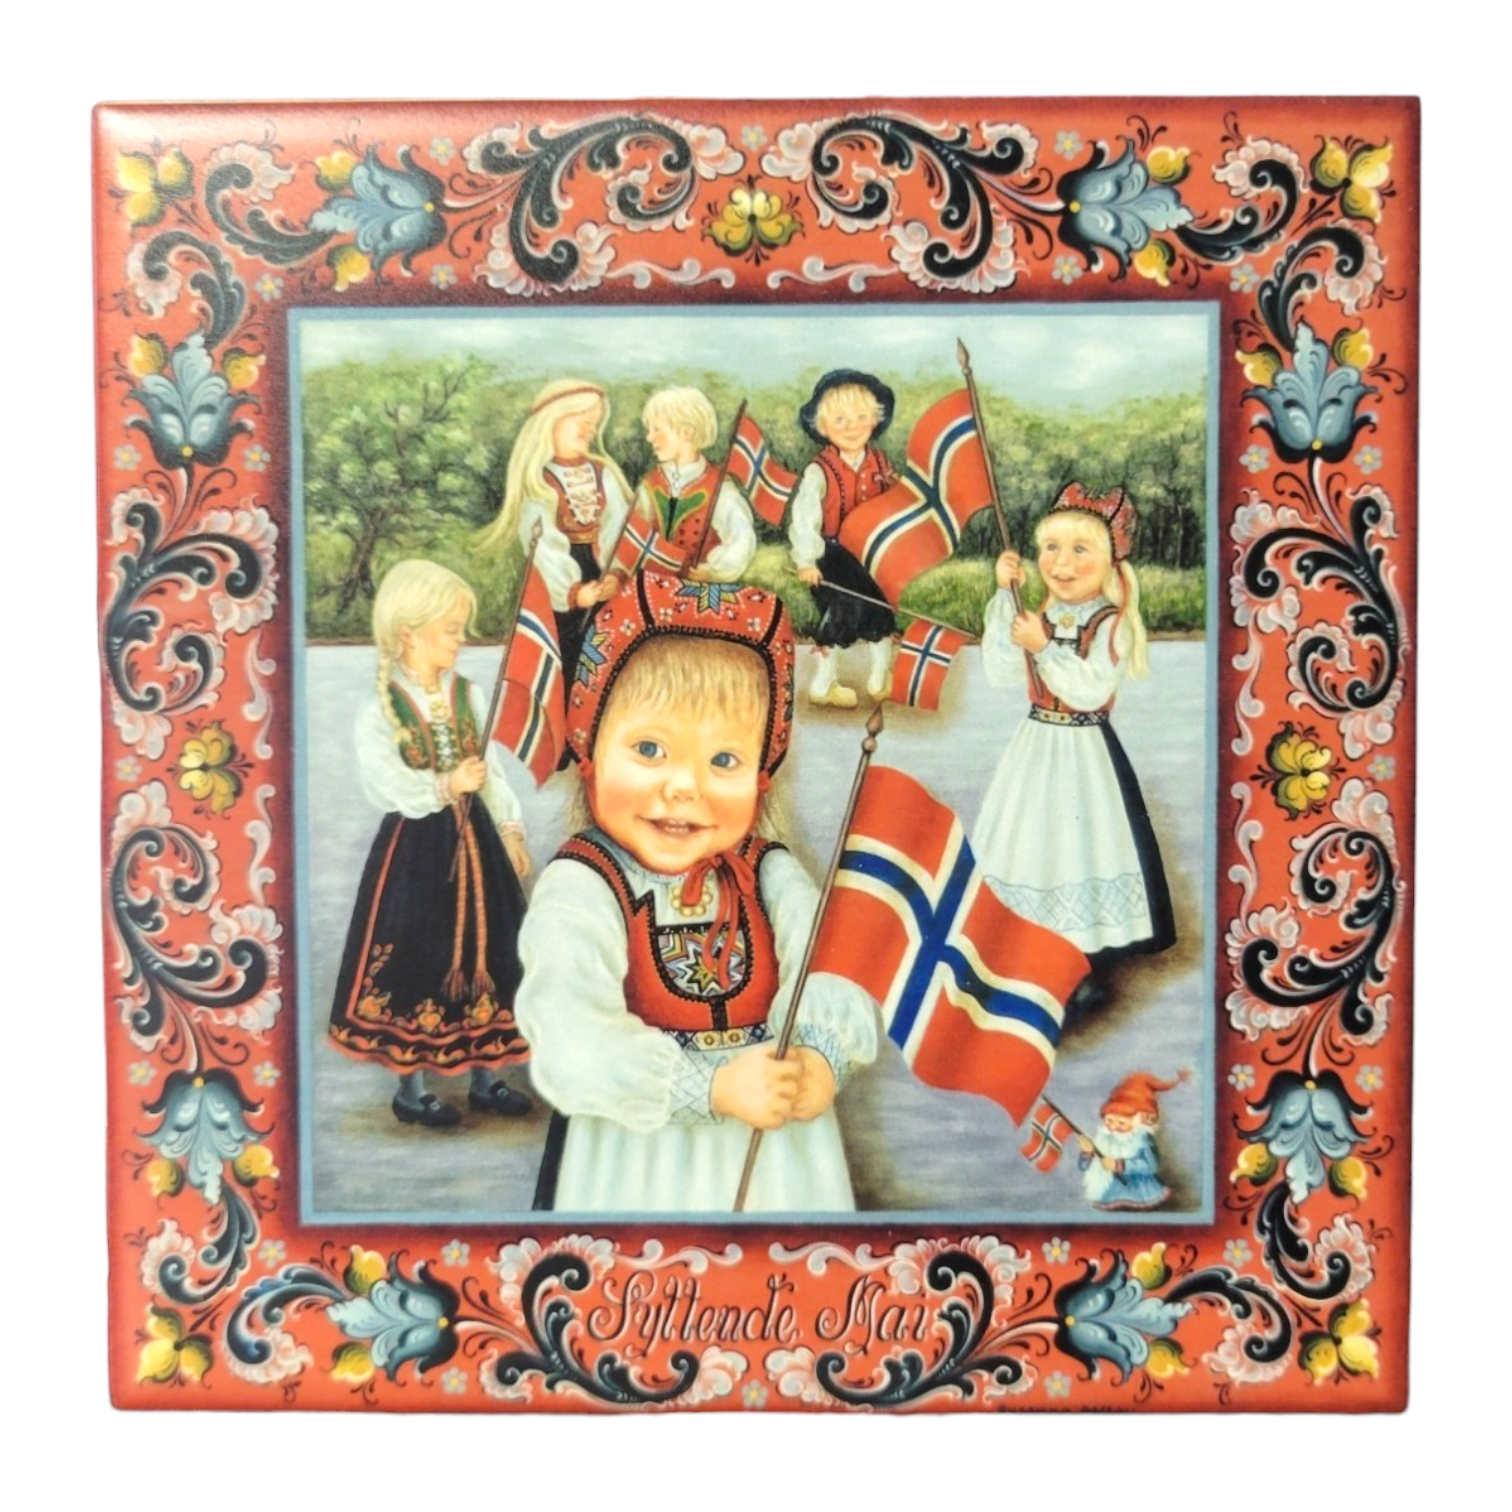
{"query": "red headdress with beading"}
(1115, 510)
(652, 605)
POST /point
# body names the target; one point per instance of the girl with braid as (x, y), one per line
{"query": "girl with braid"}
(430, 969)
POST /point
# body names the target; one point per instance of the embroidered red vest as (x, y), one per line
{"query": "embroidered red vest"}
(663, 980)
(577, 515)
(845, 489)
(1040, 697)
(680, 517)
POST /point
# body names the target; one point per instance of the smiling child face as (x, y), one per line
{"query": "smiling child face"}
(677, 779)
(572, 435)
(847, 417)
(1074, 557)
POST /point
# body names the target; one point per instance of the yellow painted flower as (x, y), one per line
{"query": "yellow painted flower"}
(482, 1012)
(169, 1356)
(1358, 1354)
(753, 217)
(1360, 174)
(1301, 765)
(164, 1177)
(1154, 260)
(1320, 1358)
(353, 1363)
(349, 265)
(1347, 1176)
(1353, 348)
(242, 368)
(334, 170)
(373, 1005)
(364, 1270)
(1150, 1269)
(205, 770)
(429, 1017)
(148, 181)
(148, 355)
(1165, 1360)
(1168, 165)
(1260, 367)
(255, 1163)
(1255, 1163)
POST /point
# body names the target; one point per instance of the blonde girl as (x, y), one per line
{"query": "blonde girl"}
(1064, 835)
(661, 943)
(431, 965)
(560, 478)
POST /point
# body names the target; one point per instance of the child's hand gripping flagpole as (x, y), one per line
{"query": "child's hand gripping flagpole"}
(463, 805)
(708, 520)
(868, 750)
(964, 358)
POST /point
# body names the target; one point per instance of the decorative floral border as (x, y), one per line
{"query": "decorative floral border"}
(1299, 216)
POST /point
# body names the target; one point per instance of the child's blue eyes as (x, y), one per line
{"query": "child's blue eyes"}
(726, 761)
(647, 748)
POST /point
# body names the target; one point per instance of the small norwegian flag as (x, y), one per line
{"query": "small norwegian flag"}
(532, 721)
(924, 657)
(763, 479)
(1046, 1136)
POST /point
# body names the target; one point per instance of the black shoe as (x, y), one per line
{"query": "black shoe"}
(430, 1111)
(500, 1098)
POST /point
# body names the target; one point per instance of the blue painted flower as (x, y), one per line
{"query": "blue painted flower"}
(1056, 1251)
(1066, 270)
(1236, 1252)
(443, 276)
(1244, 278)
(1382, 768)
(273, 1252)
(1309, 1122)
(753, 1395)
(393, 211)
(126, 458)
(189, 412)
(1255, 458)
(1370, 1079)
(140, 1073)
(1058, 1384)
(269, 287)
(265, 1074)
(1368, 459)
(1068, 143)
(752, 138)
(1116, 207)
(1111, 1317)
(405, 1318)
(1310, 409)
(1242, 1077)
(455, 1252)
(454, 1382)
(203, 1125)
(128, 769)
(257, 458)
(443, 149)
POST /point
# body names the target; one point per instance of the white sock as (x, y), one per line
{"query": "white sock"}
(826, 666)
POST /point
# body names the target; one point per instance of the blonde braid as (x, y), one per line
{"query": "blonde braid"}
(385, 668)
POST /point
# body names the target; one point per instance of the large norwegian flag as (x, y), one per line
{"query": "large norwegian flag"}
(918, 521)
(971, 993)
(924, 657)
(761, 477)
(532, 721)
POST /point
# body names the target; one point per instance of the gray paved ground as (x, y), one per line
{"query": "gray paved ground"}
(910, 1147)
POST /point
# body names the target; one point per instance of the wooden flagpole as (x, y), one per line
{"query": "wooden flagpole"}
(691, 565)
(464, 803)
(964, 358)
(868, 749)
(866, 598)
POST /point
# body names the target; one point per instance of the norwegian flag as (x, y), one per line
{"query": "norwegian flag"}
(764, 480)
(971, 993)
(532, 721)
(641, 545)
(1049, 1129)
(924, 657)
(918, 521)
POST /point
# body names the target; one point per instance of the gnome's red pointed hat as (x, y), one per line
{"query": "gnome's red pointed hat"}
(1138, 1093)
(1116, 511)
(650, 605)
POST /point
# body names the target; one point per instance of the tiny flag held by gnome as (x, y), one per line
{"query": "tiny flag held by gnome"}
(971, 993)
(1048, 1131)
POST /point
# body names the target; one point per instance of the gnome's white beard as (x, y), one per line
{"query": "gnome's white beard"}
(1120, 1145)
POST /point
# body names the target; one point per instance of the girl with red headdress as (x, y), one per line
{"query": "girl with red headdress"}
(1064, 836)
(661, 945)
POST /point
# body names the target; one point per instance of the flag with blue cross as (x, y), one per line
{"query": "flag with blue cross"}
(918, 521)
(923, 658)
(971, 993)
(532, 721)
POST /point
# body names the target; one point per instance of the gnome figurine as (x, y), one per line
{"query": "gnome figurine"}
(1121, 1162)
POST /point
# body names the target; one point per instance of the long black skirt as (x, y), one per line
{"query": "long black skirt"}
(844, 620)
(432, 964)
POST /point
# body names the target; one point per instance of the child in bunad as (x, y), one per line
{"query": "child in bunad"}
(561, 478)
(430, 969)
(1120, 1163)
(1063, 836)
(678, 493)
(845, 414)
(662, 942)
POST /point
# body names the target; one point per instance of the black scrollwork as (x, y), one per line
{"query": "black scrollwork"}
(1288, 1254)
(1244, 1298)
(1249, 229)
(222, 295)
(602, 146)
(225, 1256)
(1296, 276)
(550, 1321)
(909, 1377)
(261, 235)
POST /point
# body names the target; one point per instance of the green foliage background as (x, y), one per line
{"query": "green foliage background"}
(407, 458)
